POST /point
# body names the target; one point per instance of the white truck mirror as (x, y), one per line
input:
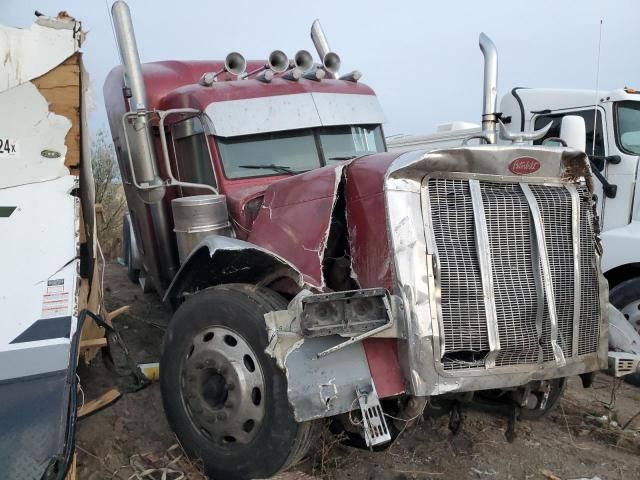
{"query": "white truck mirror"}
(573, 132)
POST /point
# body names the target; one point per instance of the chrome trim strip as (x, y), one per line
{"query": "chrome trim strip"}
(437, 323)
(575, 235)
(486, 269)
(546, 272)
(433, 273)
(537, 274)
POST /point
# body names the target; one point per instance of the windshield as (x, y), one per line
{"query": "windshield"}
(296, 151)
(343, 143)
(628, 126)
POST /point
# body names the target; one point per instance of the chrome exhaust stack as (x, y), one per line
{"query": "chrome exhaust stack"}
(151, 187)
(330, 60)
(490, 94)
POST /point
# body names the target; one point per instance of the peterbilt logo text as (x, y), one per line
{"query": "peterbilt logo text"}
(524, 165)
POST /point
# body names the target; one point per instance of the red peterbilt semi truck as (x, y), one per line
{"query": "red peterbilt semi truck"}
(316, 276)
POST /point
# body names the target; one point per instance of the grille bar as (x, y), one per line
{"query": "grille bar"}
(484, 259)
(547, 280)
(536, 273)
(575, 236)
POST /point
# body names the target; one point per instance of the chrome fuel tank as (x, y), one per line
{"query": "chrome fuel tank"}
(197, 217)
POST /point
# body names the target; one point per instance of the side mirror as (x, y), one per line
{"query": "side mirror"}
(573, 131)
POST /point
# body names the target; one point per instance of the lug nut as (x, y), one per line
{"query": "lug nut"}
(231, 386)
(229, 405)
(222, 416)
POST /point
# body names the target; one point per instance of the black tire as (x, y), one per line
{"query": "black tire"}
(558, 386)
(132, 273)
(279, 441)
(622, 296)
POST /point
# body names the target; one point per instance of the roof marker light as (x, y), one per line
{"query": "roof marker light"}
(352, 76)
(207, 79)
(265, 76)
(316, 74)
(293, 75)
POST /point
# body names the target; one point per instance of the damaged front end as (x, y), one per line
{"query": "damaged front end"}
(480, 282)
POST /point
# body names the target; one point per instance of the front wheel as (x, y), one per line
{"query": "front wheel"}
(224, 397)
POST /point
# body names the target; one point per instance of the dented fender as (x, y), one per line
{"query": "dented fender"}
(217, 260)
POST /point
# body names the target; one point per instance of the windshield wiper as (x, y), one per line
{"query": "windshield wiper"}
(346, 157)
(275, 168)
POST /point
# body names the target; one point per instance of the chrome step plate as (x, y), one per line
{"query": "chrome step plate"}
(374, 424)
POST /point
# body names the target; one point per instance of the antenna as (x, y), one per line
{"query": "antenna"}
(595, 103)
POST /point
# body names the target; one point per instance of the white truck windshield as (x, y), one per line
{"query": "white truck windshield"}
(298, 151)
(628, 126)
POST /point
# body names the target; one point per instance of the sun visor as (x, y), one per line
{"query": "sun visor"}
(250, 116)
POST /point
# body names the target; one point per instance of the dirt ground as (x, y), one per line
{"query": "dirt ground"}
(583, 438)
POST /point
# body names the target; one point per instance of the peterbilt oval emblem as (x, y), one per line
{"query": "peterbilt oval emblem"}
(50, 154)
(524, 165)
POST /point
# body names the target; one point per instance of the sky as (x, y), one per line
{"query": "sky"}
(421, 57)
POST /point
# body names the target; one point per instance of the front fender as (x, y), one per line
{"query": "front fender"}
(217, 260)
(621, 246)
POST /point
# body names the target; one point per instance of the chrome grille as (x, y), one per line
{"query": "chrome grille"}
(463, 303)
(523, 320)
(555, 208)
(508, 225)
(589, 291)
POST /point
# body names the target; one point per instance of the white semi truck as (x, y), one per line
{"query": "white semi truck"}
(614, 150)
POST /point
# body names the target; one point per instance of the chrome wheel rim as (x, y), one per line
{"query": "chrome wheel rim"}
(631, 312)
(222, 386)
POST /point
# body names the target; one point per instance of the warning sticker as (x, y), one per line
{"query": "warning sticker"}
(9, 148)
(55, 286)
(55, 300)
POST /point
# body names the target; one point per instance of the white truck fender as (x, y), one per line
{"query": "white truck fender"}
(621, 246)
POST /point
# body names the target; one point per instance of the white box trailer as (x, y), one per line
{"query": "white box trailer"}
(48, 247)
(614, 116)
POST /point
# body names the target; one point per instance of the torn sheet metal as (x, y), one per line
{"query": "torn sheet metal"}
(295, 219)
(323, 387)
(35, 136)
(317, 387)
(283, 336)
(27, 53)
